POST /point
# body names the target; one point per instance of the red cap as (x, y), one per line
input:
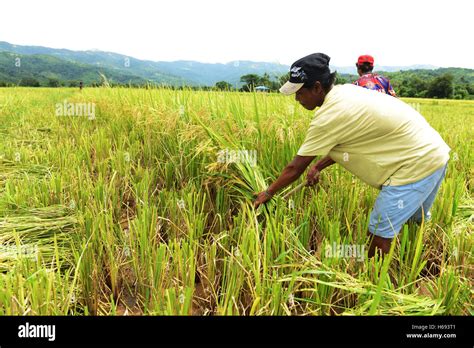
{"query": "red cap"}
(365, 59)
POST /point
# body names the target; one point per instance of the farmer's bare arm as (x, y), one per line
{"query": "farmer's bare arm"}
(312, 178)
(291, 172)
(324, 162)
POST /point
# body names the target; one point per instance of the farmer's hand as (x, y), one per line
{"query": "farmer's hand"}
(262, 197)
(312, 178)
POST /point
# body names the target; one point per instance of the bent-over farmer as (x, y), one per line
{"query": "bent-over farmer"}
(380, 139)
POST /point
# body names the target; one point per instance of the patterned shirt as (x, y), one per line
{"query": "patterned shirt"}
(377, 83)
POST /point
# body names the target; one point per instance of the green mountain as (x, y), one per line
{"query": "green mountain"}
(175, 73)
(116, 67)
(15, 67)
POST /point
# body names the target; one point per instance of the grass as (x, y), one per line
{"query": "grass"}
(132, 213)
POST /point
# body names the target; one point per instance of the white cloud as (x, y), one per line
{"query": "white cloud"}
(395, 33)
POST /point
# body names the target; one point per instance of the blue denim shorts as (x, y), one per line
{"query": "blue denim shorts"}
(395, 205)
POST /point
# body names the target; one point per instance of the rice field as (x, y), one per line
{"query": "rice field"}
(141, 203)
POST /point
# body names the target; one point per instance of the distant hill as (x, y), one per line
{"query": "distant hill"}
(43, 63)
(44, 67)
(208, 74)
(175, 73)
(115, 64)
(351, 70)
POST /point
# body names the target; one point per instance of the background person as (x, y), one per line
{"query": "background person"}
(370, 80)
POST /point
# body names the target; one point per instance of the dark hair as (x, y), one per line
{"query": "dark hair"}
(326, 81)
(365, 67)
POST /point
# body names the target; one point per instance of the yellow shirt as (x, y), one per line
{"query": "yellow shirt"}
(376, 137)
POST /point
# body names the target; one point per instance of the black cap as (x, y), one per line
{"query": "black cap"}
(308, 69)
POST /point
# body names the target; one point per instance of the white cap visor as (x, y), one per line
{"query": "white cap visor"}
(289, 88)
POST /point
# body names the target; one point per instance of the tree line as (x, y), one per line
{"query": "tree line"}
(447, 84)
(32, 82)
(440, 84)
(411, 84)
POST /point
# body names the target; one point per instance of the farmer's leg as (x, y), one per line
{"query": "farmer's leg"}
(393, 207)
(383, 244)
(396, 204)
